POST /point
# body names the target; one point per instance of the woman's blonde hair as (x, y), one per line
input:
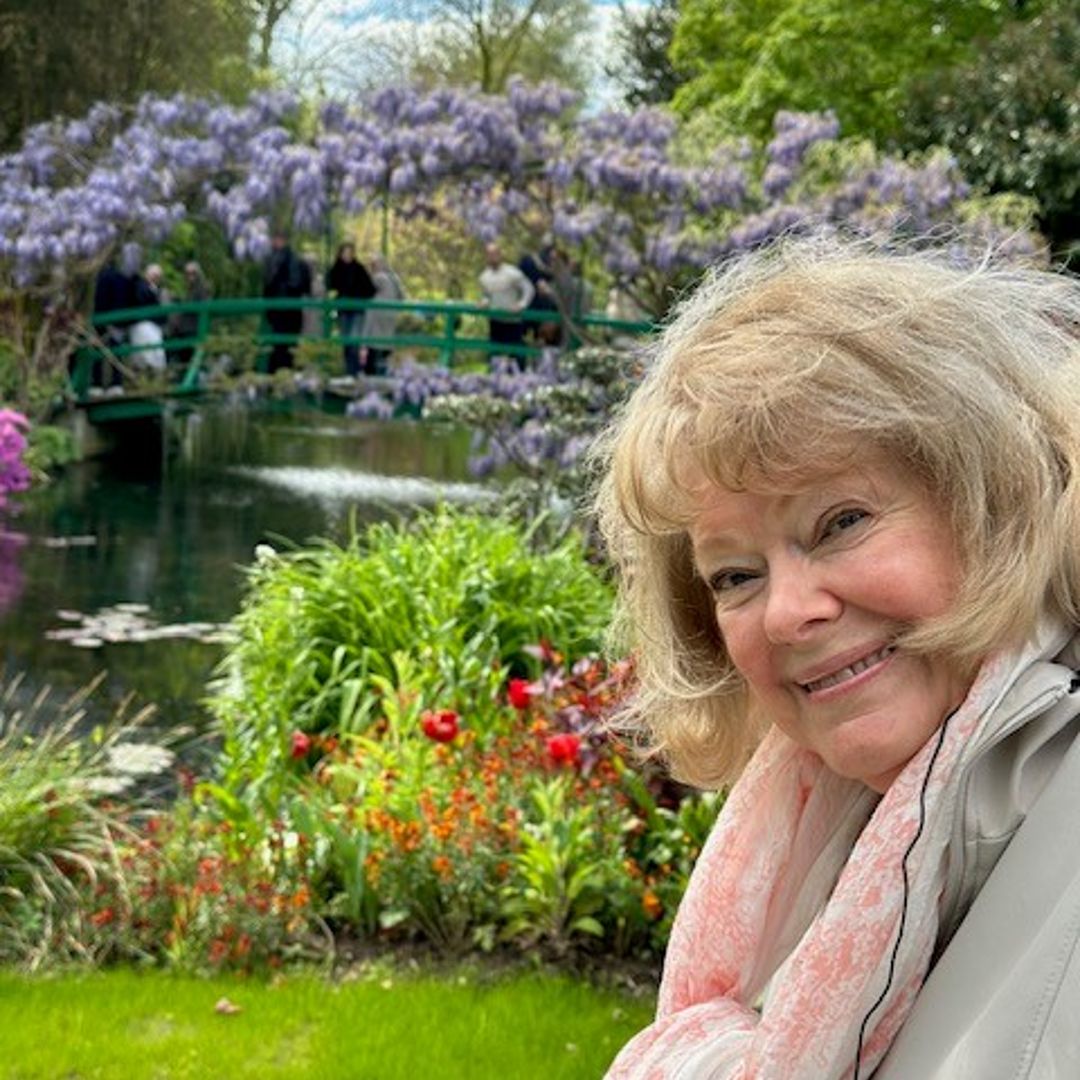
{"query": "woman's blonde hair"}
(794, 363)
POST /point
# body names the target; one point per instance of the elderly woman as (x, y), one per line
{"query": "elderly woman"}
(846, 503)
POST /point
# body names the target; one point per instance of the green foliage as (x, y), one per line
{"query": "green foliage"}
(193, 896)
(1012, 117)
(747, 59)
(201, 240)
(61, 58)
(50, 448)
(401, 618)
(35, 341)
(643, 68)
(59, 833)
(235, 349)
(557, 889)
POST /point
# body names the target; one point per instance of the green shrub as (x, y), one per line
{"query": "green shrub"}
(437, 612)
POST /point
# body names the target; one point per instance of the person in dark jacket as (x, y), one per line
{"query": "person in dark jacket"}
(286, 276)
(348, 279)
(113, 291)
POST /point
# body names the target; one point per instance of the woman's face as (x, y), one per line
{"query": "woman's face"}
(811, 589)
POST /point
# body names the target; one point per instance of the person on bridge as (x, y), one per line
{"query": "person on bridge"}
(286, 276)
(505, 288)
(348, 279)
(381, 322)
(148, 334)
(186, 323)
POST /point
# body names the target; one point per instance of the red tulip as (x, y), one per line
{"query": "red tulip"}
(299, 745)
(565, 749)
(519, 693)
(440, 726)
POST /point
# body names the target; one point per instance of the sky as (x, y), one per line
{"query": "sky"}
(342, 46)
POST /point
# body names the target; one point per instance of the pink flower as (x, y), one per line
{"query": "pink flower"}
(564, 749)
(442, 726)
(519, 692)
(299, 745)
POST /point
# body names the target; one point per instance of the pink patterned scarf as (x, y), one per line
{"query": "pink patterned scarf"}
(799, 887)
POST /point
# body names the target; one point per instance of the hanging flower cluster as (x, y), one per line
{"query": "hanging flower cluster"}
(77, 192)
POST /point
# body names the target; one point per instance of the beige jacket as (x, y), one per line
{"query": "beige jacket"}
(1002, 1002)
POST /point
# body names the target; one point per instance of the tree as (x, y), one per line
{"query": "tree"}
(643, 67)
(265, 16)
(58, 58)
(321, 49)
(746, 59)
(486, 42)
(1013, 118)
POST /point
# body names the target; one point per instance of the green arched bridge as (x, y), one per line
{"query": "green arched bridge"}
(448, 330)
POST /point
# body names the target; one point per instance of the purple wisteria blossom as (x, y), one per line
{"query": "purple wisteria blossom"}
(614, 186)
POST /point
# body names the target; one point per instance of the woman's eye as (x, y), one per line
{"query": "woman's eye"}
(841, 522)
(726, 580)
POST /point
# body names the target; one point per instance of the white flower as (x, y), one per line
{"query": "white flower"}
(139, 759)
(264, 553)
(102, 785)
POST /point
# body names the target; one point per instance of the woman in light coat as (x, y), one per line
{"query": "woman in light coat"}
(845, 501)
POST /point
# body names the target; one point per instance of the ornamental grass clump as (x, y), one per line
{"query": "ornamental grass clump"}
(433, 614)
(61, 829)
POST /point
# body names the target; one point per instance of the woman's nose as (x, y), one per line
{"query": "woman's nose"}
(797, 603)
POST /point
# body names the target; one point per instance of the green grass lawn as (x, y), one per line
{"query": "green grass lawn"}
(123, 1025)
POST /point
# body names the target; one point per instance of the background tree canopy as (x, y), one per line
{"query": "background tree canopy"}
(58, 57)
(1012, 117)
(486, 42)
(643, 69)
(745, 59)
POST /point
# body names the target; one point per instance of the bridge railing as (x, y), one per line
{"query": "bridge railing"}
(446, 339)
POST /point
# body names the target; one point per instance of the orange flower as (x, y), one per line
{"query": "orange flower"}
(443, 867)
(652, 905)
(103, 917)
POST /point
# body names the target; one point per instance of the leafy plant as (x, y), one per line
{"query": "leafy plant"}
(49, 448)
(557, 886)
(404, 617)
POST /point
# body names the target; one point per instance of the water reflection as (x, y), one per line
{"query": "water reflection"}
(176, 539)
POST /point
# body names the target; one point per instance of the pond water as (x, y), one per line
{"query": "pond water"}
(166, 539)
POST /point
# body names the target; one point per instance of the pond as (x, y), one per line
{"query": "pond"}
(141, 545)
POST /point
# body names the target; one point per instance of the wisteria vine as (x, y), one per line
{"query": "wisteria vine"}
(79, 191)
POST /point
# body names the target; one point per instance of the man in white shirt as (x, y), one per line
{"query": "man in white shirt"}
(505, 288)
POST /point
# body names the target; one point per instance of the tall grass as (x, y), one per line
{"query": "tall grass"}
(126, 1026)
(58, 828)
